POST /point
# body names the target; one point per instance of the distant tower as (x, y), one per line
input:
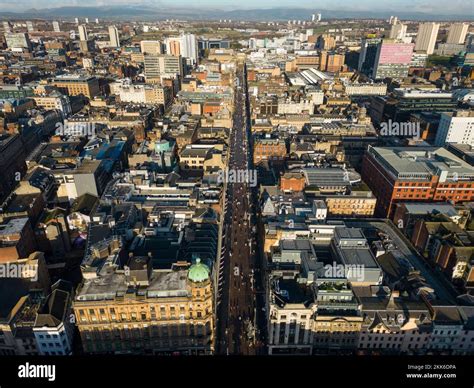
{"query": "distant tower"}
(426, 38)
(87, 20)
(96, 20)
(398, 31)
(319, 16)
(56, 27)
(76, 20)
(83, 33)
(457, 33)
(29, 26)
(114, 37)
(7, 27)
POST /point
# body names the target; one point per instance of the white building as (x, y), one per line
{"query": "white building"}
(56, 27)
(457, 33)
(426, 38)
(54, 326)
(320, 209)
(418, 59)
(29, 26)
(317, 96)
(132, 93)
(291, 107)
(398, 31)
(184, 45)
(456, 127)
(7, 27)
(114, 37)
(87, 63)
(83, 33)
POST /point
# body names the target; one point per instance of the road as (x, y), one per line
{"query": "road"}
(236, 310)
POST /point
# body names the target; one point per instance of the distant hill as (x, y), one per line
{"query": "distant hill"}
(144, 12)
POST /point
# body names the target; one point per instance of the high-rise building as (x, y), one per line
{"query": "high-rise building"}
(456, 127)
(76, 20)
(173, 46)
(398, 31)
(330, 61)
(392, 60)
(114, 36)
(83, 36)
(86, 20)
(56, 27)
(419, 174)
(7, 28)
(184, 45)
(326, 42)
(426, 38)
(96, 20)
(18, 40)
(470, 43)
(152, 47)
(87, 46)
(368, 52)
(162, 65)
(29, 26)
(457, 33)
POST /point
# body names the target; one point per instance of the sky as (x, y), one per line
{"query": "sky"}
(426, 6)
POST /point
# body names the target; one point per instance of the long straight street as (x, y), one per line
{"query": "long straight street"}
(236, 296)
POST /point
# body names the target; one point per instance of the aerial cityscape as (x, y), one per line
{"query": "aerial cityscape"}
(238, 183)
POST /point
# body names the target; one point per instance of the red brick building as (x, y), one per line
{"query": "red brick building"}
(269, 149)
(416, 174)
(292, 181)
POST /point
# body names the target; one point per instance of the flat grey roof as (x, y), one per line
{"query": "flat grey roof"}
(358, 256)
(297, 244)
(422, 162)
(163, 283)
(350, 233)
(326, 177)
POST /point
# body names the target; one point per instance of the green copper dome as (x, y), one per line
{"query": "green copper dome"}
(198, 272)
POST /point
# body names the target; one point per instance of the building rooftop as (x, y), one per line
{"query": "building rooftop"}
(73, 78)
(162, 284)
(421, 163)
(13, 226)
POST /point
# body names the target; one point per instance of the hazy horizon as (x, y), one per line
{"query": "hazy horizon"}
(434, 7)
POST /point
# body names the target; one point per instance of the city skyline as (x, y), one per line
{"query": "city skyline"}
(209, 180)
(434, 8)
